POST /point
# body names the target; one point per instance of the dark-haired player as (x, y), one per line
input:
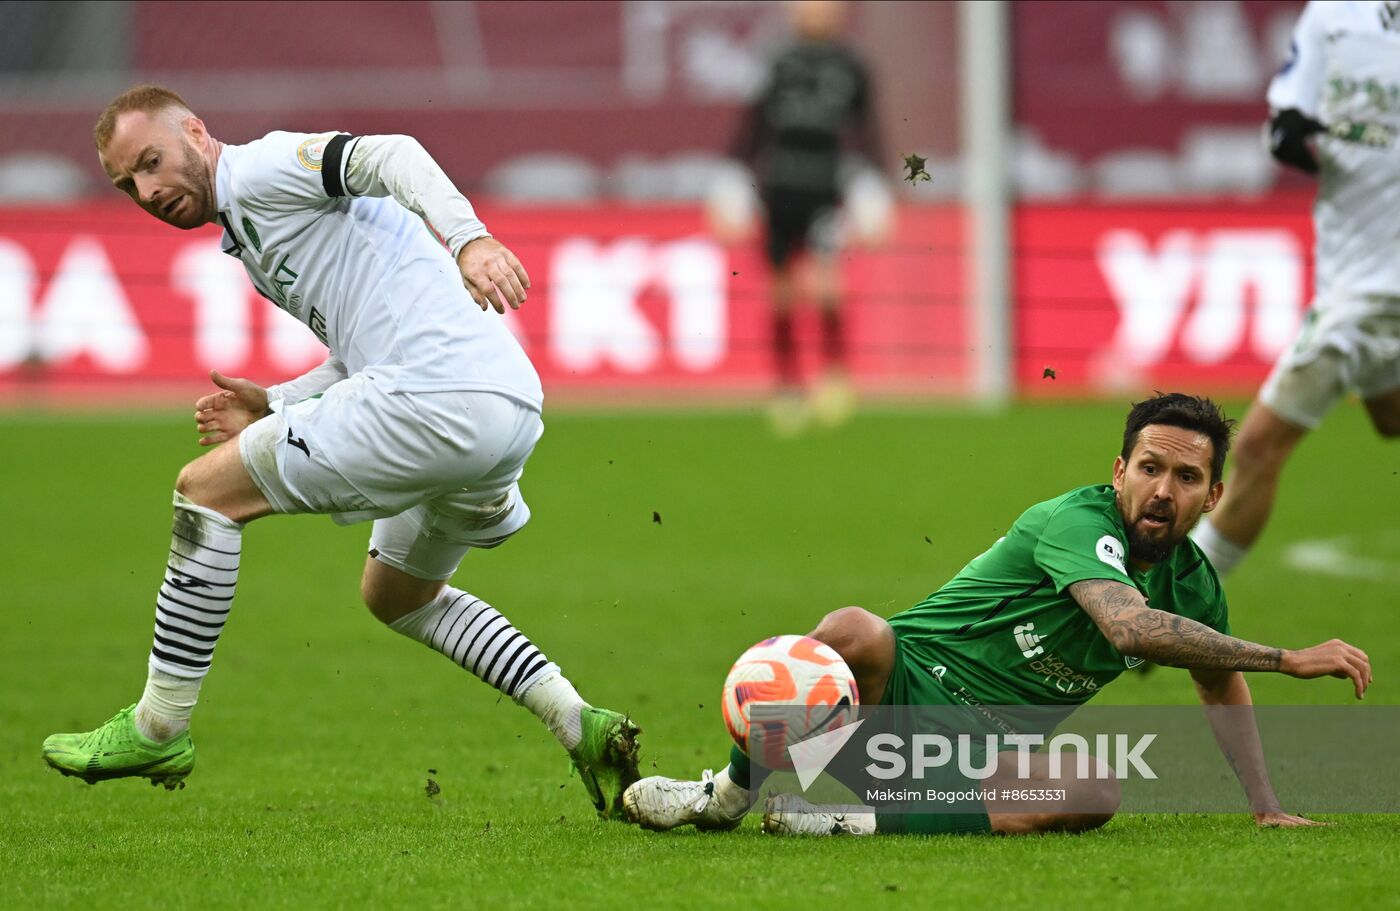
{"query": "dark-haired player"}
(1081, 588)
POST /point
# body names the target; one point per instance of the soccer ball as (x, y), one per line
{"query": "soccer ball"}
(795, 671)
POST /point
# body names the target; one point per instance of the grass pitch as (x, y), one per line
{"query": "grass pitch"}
(318, 730)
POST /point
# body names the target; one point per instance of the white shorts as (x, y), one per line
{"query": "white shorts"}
(437, 471)
(1340, 347)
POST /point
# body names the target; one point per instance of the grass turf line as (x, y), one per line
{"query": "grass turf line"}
(317, 728)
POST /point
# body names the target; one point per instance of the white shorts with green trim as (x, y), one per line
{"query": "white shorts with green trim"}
(438, 471)
(1343, 345)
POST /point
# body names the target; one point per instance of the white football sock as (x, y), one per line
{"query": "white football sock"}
(166, 706)
(554, 701)
(1222, 553)
(733, 798)
(480, 639)
(191, 606)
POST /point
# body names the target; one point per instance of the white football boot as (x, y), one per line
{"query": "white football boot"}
(664, 803)
(788, 814)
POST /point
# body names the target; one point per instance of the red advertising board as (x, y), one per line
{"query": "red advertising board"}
(103, 297)
(640, 301)
(1193, 297)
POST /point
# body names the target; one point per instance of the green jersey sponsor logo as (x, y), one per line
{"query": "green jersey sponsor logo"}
(1006, 631)
(1028, 641)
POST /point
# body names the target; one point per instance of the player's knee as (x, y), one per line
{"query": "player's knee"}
(379, 598)
(1043, 823)
(1387, 424)
(369, 593)
(1101, 797)
(188, 483)
(861, 638)
(199, 482)
(1080, 804)
(391, 596)
(1082, 814)
(1080, 822)
(1090, 803)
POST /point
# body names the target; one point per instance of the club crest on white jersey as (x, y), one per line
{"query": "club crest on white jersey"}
(312, 152)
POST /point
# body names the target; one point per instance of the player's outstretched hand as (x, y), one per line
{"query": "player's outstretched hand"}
(492, 274)
(222, 415)
(1334, 658)
(1284, 821)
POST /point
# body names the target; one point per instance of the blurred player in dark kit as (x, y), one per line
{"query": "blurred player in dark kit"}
(817, 94)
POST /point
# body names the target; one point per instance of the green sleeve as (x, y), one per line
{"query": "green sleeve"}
(1219, 612)
(1195, 592)
(1079, 543)
(1221, 623)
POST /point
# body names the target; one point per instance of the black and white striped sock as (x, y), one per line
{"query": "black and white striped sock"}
(479, 638)
(191, 607)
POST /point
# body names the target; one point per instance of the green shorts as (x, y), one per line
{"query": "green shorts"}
(912, 683)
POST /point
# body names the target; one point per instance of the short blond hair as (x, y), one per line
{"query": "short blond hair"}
(150, 99)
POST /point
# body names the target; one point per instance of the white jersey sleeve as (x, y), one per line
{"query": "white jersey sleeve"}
(400, 167)
(361, 271)
(293, 171)
(316, 380)
(1299, 83)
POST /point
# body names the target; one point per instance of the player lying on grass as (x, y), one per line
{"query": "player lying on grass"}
(421, 419)
(1105, 578)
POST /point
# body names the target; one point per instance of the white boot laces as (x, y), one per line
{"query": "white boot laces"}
(708, 781)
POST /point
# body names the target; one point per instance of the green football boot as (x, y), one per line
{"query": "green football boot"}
(606, 759)
(118, 750)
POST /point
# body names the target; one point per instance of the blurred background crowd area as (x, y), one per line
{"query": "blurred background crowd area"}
(638, 99)
(1101, 215)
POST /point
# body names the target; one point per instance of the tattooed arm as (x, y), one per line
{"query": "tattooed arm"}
(1138, 631)
(1230, 711)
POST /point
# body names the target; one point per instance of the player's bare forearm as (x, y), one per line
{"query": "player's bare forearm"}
(1139, 631)
(1230, 711)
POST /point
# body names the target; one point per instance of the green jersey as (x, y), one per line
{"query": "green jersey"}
(1004, 630)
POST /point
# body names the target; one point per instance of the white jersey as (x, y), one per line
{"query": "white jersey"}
(363, 273)
(1344, 71)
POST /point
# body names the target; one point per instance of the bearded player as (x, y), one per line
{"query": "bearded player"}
(421, 418)
(1106, 577)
